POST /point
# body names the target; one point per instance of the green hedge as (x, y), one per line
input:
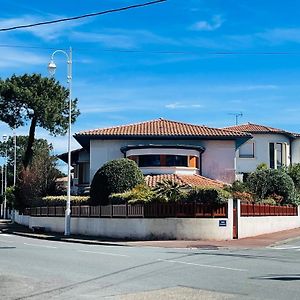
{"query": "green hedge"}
(61, 201)
(208, 196)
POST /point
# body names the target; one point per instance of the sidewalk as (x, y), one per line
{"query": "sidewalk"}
(254, 242)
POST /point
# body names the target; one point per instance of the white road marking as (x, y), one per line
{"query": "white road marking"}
(202, 265)
(285, 248)
(5, 234)
(43, 246)
(103, 253)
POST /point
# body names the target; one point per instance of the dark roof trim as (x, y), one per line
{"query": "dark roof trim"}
(189, 147)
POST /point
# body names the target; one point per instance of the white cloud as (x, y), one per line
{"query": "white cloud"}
(122, 38)
(215, 23)
(16, 57)
(280, 35)
(178, 105)
(45, 32)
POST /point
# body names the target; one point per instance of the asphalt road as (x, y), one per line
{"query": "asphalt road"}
(38, 269)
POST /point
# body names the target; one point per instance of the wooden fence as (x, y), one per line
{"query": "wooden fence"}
(151, 210)
(256, 210)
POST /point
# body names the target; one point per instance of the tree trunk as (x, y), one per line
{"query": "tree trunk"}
(29, 151)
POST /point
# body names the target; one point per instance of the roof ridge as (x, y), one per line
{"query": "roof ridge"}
(118, 126)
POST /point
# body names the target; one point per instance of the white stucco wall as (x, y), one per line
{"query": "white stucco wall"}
(168, 228)
(261, 152)
(217, 159)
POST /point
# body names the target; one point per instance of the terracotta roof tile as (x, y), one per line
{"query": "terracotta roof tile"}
(255, 128)
(191, 180)
(161, 127)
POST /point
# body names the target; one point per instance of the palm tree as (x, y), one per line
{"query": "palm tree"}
(169, 191)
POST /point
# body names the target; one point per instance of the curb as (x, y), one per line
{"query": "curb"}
(64, 239)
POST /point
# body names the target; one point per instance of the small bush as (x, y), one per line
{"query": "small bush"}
(116, 176)
(294, 172)
(269, 201)
(243, 196)
(208, 196)
(139, 194)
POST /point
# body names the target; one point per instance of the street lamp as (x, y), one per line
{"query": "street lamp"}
(52, 69)
(4, 138)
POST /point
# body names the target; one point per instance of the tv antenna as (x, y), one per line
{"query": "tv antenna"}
(237, 116)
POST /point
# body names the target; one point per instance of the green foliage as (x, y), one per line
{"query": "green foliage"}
(262, 166)
(208, 196)
(266, 182)
(139, 194)
(61, 201)
(116, 176)
(10, 197)
(237, 186)
(39, 179)
(169, 191)
(40, 100)
(41, 150)
(294, 172)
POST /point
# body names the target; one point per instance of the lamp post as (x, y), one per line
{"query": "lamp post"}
(52, 68)
(2, 189)
(4, 138)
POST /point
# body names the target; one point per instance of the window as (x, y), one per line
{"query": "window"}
(176, 161)
(247, 150)
(278, 155)
(83, 173)
(149, 160)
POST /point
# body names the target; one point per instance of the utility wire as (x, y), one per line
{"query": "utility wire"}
(83, 16)
(241, 53)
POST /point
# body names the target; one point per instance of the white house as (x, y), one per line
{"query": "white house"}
(160, 147)
(272, 146)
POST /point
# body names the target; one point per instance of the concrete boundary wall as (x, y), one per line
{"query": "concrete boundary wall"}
(167, 228)
(253, 226)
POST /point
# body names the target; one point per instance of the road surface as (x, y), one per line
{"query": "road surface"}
(38, 269)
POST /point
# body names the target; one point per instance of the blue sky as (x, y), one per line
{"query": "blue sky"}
(197, 86)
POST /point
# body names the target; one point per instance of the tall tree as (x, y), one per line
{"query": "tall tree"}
(42, 101)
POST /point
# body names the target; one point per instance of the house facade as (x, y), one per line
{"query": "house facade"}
(160, 147)
(274, 147)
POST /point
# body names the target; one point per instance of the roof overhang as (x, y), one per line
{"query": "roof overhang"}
(147, 146)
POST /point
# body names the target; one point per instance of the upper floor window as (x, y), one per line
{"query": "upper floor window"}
(278, 155)
(167, 160)
(149, 160)
(247, 150)
(176, 160)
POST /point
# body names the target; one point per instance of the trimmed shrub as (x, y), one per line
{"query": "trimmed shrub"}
(208, 196)
(61, 201)
(139, 194)
(265, 182)
(116, 176)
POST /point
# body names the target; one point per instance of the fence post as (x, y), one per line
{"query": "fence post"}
(100, 211)
(126, 206)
